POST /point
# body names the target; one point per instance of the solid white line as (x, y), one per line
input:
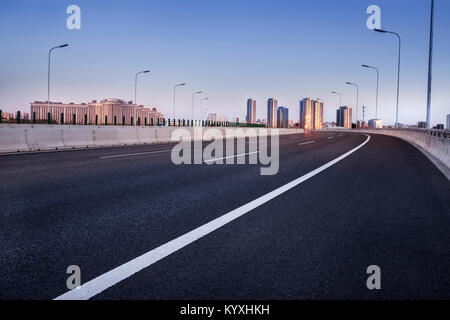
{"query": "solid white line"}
(133, 154)
(330, 138)
(126, 270)
(239, 155)
(309, 142)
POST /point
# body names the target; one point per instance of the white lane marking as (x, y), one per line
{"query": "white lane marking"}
(134, 154)
(236, 156)
(126, 270)
(330, 138)
(309, 142)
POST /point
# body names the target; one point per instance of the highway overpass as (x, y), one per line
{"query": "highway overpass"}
(140, 227)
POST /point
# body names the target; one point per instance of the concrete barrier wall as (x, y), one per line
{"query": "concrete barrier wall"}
(438, 147)
(29, 137)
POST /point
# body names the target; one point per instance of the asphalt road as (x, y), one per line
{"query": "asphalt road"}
(386, 205)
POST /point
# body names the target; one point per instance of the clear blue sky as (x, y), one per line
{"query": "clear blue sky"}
(231, 49)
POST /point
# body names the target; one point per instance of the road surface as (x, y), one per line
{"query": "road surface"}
(385, 204)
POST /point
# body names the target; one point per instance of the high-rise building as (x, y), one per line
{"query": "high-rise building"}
(236, 119)
(344, 117)
(282, 117)
(251, 111)
(272, 105)
(318, 115)
(311, 114)
(448, 121)
(307, 114)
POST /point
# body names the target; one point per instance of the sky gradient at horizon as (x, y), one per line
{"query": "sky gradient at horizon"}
(232, 50)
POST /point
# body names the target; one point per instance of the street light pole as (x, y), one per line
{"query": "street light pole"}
(357, 99)
(201, 106)
(378, 81)
(340, 97)
(398, 71)
(198, 92)
(48, 80)
(135, 93)
(430, 67)
(174, 92)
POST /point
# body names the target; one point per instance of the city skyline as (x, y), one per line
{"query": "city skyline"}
(89, 68)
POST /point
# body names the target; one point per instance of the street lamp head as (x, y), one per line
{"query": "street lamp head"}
(334, 92)
(348, 83)
(380, 30)
(198, 92)
(146, 71)
(365, 66)
(63, 46)
(182, 84)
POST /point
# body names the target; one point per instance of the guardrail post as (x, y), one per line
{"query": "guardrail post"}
(139, 121)
(34, 117)
(85, 119)
(74, 117)
(96, 119)
(49, 119)
(123, 120)
(115, 120)
(106, 120)
(164, 122)
(132, 120)
(18, 117)
(1, 116)
(158, 122)
(145, 121)
(151, 121)
(62, 118)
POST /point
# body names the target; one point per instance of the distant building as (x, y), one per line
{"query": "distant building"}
(272, 106)
(439, 127)
(282, 117)
(307, 114)
(311, 114)
(376, 124)
(448, 121)
(421, 124)
(236, 120)
(318, 115)
(212, 117)
(108, 111)
(360, 124)
(251, 111)
(344, 117)
(8, 116)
